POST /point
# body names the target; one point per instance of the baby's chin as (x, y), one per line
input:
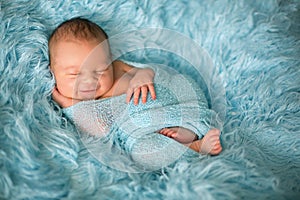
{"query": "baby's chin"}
(84, 98)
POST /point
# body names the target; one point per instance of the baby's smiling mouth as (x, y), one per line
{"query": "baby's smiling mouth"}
(87, 94)
(87, 91)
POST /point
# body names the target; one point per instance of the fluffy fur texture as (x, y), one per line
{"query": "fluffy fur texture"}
(254, 47)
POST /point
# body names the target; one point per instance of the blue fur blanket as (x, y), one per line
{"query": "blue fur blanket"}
(252, 81)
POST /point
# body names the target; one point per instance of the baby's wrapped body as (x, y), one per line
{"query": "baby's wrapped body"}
(127, 133)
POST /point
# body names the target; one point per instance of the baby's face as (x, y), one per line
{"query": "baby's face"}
(82, 69)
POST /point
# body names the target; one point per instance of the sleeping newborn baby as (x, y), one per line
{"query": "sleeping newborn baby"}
(102, 98)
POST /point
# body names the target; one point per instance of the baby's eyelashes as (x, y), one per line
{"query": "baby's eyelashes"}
(73, 74)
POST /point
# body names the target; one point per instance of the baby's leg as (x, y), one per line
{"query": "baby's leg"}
(209, 144)
(180, 134)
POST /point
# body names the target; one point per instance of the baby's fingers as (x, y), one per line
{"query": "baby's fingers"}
(135, 93)
(152, 90)
(129, 94)
(144, 93)
(136, 96)
(140, 91)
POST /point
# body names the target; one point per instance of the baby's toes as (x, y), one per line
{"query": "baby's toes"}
(172, 134)
(163, 131)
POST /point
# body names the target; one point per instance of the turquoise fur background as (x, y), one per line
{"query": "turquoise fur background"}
(255, 50)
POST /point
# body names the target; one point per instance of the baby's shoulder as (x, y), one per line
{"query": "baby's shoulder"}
(133, 64)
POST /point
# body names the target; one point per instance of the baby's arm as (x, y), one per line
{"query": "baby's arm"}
(140, 84)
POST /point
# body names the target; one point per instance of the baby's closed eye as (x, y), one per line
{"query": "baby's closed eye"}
(72, 74)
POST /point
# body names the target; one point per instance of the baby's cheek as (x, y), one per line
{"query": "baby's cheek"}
(66, 89)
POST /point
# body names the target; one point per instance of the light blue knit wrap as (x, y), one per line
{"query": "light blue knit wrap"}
(132, 129)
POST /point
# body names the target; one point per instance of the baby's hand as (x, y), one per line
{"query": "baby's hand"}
(63, 101)
(140, 84)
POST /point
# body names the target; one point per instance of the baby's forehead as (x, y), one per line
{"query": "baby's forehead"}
(90, 53)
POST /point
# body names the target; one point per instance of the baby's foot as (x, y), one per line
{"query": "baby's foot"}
(179, 134)
(209, 144)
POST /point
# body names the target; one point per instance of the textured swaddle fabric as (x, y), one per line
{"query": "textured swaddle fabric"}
(133, 128)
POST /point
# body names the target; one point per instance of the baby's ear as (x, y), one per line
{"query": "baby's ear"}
(52, 74)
